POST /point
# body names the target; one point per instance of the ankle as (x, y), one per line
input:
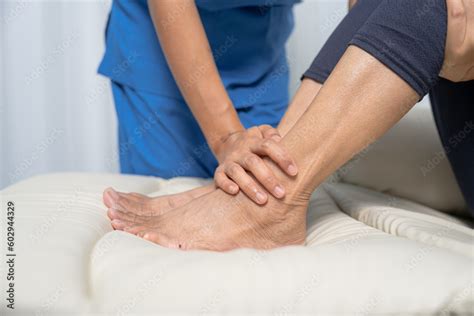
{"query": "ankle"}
(297, 193)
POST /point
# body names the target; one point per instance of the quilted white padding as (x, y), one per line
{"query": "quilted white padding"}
(404, 218)
(71, 262)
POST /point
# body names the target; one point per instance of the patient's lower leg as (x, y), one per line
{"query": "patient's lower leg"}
(358, 103)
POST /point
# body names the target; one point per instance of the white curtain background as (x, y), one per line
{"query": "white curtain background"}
(56, 113)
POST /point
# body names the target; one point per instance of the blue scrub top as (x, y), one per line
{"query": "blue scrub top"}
(247, 38)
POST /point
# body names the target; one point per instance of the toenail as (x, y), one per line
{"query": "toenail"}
(117, 222)
(113, 193)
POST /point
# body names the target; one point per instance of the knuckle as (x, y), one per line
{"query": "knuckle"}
(233, 170)
(218, 171)
(273, 130)
(251, 160)
(267, 144)
(284, 160)
(249, 187)
(253, 130)
(269, 181)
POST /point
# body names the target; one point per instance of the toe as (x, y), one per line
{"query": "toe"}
(118, 224)
(136, 229)
(138, 195)
(127, 217)
(112, 213)
(131, 204)
(160, 239)
(109, 197)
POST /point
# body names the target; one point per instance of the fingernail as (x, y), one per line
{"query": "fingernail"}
(234, 189)
(292, 170)
(260, 197)
(279, 191)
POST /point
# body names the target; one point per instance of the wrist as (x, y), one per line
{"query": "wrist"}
(218, 144)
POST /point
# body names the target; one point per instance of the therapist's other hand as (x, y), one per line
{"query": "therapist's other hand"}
(459, 53)
(242, 166)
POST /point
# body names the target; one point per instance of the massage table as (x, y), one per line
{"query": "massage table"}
(367, 252)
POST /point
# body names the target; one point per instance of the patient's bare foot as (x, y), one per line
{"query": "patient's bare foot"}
(217, 221)
(144, 205)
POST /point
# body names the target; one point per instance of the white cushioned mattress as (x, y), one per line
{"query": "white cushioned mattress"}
(366, 254)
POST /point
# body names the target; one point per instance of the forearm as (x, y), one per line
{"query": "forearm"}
(306, 93)
(195, 73)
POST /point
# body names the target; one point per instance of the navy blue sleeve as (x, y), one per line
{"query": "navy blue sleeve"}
(405, 35)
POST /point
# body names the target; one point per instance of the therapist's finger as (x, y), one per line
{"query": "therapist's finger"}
(276, 152)
(246, 183)
(270, 132)
(224, 183)
(255, 165)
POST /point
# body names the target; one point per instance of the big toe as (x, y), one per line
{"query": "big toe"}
(109, 197)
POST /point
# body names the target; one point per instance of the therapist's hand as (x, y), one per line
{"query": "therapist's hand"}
(242, 166)
(459, 53)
